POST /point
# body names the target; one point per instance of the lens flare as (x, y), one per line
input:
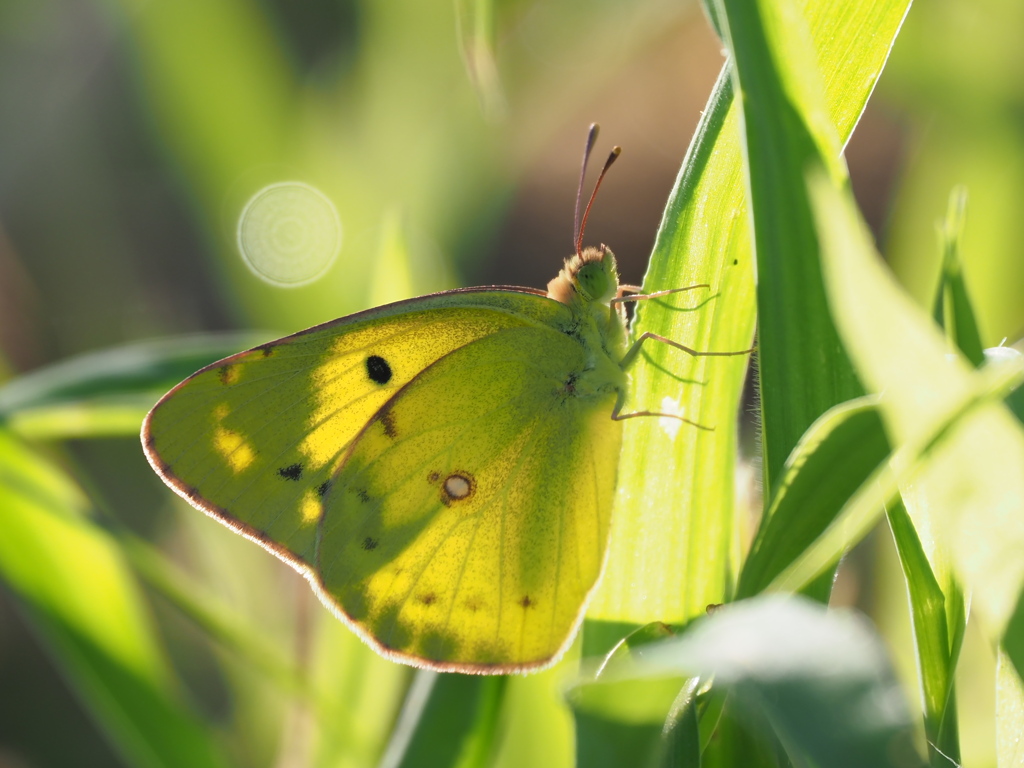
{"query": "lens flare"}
(289, 234)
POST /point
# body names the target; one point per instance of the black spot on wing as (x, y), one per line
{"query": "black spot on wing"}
(266, 350)
(390, 630)
(353, 599)
(439, 647)
(321, 490)
(291, 472)
(428, 599)
(224, 374)
(526, 602)
(378, 370)
(370, 543)
(387, 421)
(363, 495)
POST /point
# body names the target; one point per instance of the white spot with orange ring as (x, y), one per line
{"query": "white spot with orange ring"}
(457, 487)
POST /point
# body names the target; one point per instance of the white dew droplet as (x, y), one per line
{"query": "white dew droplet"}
(289, 234)
(669, 425)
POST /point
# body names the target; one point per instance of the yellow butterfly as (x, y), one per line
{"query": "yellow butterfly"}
(440, 469)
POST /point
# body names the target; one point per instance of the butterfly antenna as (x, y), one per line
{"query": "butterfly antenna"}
(577, 235)
(616, 151)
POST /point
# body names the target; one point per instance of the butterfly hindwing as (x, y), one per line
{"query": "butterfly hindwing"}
(468, 521)
(254, 439)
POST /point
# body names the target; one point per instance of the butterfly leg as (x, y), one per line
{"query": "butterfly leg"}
(617, 416)
(630, 357)
(619, 302)
(634, 350)
(636, 290)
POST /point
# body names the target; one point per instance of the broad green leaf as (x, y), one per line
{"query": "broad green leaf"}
(78, 593)
(678, 511)
(108, 392)
(741, 741)
(672, 533)
(882, 489)
(834, 457)
(819, 678)
(968, 493)
(620, 722)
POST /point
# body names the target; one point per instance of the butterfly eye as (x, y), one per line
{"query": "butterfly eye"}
(597, 280)
(378, 370)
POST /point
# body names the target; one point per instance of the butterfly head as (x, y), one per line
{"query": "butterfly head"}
(589, 276)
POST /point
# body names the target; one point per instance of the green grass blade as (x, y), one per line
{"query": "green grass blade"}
(216, 619)
(803, 370)
(447, 721)
(939, 610)
(832, 460)
(953, 310)
(936, 654)
(475, 24)
(681, 735)
(107, 393)
(1015, 400)
(77, 592)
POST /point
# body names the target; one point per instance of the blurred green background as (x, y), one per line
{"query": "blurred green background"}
(448, 136)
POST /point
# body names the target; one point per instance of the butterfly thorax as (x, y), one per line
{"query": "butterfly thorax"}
(587, 284)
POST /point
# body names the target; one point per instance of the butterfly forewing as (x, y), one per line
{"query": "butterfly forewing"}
(255, 439)
(467, 523)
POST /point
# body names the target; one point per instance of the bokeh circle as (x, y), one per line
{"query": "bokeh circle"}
(289, 234)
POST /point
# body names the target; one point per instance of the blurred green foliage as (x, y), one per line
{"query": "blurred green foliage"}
(135, 631)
